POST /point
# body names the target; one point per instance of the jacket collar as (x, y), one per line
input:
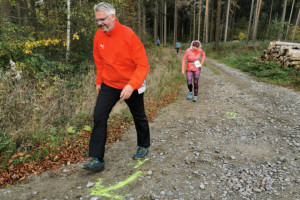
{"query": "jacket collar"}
(115, 29)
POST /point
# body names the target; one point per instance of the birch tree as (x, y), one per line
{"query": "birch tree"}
(227, 19)
(68, 28)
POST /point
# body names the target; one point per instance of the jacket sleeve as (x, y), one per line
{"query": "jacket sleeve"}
(184, 60)
(140, 59)
(202, 56)
(97, 61)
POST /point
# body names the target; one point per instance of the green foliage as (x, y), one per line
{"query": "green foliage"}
(272, 32)
(87, 128)
(11, 43)
(291, 33)
(242, 36)
(240, 27)
(71, 130)
(38, 66)
(6, 144)
(246, 58)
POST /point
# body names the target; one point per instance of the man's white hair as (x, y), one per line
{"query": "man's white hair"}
(103, 6)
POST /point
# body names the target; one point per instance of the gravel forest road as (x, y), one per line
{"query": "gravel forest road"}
(239, 141)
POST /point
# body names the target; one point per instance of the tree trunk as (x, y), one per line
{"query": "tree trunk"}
(205, 29)
(256, 20)
(287, 30)
(165, 24)
(194, 21)
(68, 28)
(210, 37)
(217, 35)
(191, 28)
(295, 29)
(199, 19)
(227, 19)
(182, 31)
(282, 20)
(5, 11)
(269, 25)
(139, 19)
(144, 24)
(33, 17)
(250, 21)
(155, 28)
(175, 22)
(223, 22)
(18, 6)
(162, 21)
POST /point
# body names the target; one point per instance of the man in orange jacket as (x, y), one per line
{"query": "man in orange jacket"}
(122, 67)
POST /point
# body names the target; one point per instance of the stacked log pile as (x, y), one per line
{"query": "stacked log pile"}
(287, 54)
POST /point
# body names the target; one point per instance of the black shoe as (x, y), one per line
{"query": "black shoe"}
(94, 165)
(140, 153)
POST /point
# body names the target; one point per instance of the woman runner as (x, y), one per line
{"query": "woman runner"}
(193, 68)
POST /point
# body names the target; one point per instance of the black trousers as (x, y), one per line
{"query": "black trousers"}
(107, 99)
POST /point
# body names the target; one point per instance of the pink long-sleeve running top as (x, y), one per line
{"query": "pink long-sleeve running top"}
(192, 56)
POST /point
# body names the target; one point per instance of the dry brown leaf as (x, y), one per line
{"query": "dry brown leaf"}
(20, 154)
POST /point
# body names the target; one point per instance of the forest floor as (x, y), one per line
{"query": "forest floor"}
(239, 141)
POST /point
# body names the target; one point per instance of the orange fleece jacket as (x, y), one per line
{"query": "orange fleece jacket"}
(120, 58)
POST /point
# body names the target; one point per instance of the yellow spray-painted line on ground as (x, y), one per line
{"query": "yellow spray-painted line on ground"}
(100, 190)
(140, 162)
(231, 115)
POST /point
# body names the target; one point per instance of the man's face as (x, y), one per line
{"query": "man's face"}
(106, 22)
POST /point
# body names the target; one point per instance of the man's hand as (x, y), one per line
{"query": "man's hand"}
(98, 87)
(126, 92)
(183, 72)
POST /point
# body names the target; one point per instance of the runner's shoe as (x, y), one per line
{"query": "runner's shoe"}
(195, 99)
(140, 153)
(190, 95)
(94, 165)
